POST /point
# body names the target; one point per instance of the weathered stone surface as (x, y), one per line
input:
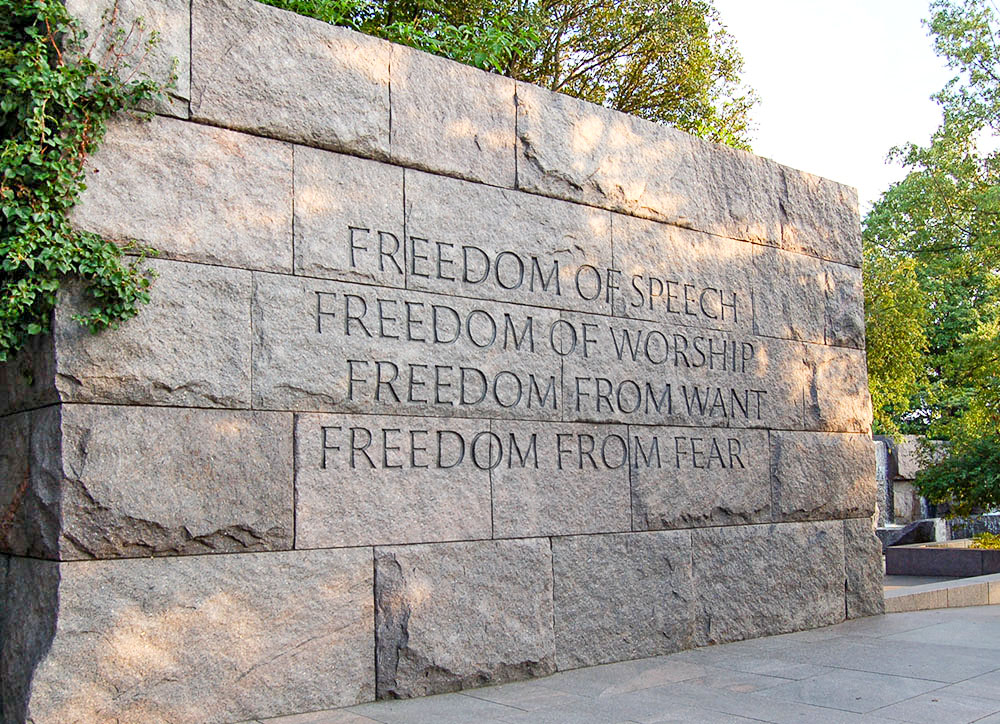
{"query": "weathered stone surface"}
(820, 476)
(193, 192)
(678, 276)
(864, 569)
(820, 218)
(342, 229)
(27, 379)
(845, 307)
(457, 615)
(189, 346)
(790, 299)
(683, 477)
(140, 481)
(364, 480)
(480, 241)
(30, 607)
(579, 151)
(912, 454)
(311, 337)
(560, 479)
(267, 634)
(621, 370)
(759, 580)
(836, 390)
(279, 74)
(621, 597)
(468, 134)
(168, 62)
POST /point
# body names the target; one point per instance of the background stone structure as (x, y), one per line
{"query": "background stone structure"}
(446, 380)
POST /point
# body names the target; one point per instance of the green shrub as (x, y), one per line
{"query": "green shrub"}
(988, 541)
(53, 112)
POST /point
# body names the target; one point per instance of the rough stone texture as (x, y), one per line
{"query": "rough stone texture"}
(836, 390)
(621, 597)
(27, 379)
(189, 346)
(457, 615)
(169, 60)
(912, 454)
(790, 296)
(820, 218)
(845, 307)
(301, 352)
(678, 276)
(186, 190)
(759, 580)
(383, 480)
(821, 476)
(267, 634)
(864, 569)
(581, 152)
(560, 479)
(698, 477)
(223, 481)
(522, 235)
(469, 134)
(333, 193)
(279, 74)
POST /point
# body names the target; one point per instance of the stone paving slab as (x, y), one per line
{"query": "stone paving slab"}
(936, 666)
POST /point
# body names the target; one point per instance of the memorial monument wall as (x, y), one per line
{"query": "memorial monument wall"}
(446, 380)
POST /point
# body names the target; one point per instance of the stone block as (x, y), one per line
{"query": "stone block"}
(468, 134)
(559, 479)
(864, 569)
(571, 149)
(169, 61)
(189, 346)
(761, 580)
(452, 616)
(820, 476)
(29, 510)
(678, 276)
(621, 597)
(223, 482)
(27, 379)
(836, 390)
(197, 640)
(790, 295)
(275, 73)
(363, 480)
(845, 307)
(342, 229)
(479, 241)
(972, 594)
(683, 477)
(331, 346)
(192, 192)
(820, 218)
(912, 455)
(902, 601)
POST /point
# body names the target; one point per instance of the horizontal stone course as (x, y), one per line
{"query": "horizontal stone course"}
(276, 73)
(192, 192)
(108, 481)
(267, 634)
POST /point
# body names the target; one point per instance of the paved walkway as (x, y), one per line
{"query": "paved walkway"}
(937, 667)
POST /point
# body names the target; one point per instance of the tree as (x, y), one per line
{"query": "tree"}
(939, 231)
(669, 61)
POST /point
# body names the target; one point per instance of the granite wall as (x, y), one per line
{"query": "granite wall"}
(446, 380)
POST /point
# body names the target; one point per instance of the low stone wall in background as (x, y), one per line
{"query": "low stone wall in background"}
(446, 380)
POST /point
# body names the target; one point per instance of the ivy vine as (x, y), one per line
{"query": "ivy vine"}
(54, 109)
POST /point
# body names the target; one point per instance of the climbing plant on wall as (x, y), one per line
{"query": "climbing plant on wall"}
(54, 109)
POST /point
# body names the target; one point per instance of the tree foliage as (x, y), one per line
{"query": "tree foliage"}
(56, 102)
(932, 245)
(669, 61)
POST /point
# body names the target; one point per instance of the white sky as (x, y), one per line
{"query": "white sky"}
(840, 82)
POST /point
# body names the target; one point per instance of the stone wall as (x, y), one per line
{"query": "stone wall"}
(446, 381)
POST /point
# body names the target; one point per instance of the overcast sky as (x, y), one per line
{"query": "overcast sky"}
(840, 83)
